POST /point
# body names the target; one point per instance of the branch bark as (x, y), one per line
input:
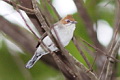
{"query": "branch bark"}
(111, 62)
(114, 45)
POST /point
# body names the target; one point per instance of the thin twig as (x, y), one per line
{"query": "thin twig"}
(114, 39)
(86, 48)
(78, 47)
(81, 52)
(91, 68)
(84, 69)
(111, 64)
(31, 11)
(47, 15)
(109, 53)
(82, 11)
(111, 45)
(101, 73)
(28, 25)
(99, 50)
(50, 3)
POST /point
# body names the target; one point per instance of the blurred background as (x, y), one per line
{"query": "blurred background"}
(13, 56)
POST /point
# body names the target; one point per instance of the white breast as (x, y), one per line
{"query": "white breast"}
(65, 35)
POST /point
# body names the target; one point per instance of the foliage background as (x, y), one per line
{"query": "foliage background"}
(12, 62)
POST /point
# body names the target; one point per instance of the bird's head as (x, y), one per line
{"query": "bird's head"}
(68, 20)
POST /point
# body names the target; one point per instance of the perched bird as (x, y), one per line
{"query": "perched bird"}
(64, 29)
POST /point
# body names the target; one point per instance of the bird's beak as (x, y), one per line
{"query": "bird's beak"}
(74, 22)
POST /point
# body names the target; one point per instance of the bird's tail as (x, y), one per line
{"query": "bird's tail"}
(33, 60)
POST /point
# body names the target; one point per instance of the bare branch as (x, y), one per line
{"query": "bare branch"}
(81, 52)
(50, 3)
(87, 20)
(102, 71)
(111, 63)
(27, 24)
(99, 50)
(19, 6)
(84, 69)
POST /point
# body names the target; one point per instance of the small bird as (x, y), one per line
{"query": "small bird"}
(64, 29)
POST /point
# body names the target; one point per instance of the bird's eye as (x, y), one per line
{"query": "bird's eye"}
(67, 20)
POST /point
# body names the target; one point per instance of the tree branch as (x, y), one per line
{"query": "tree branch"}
(111, 62)
(87, 20)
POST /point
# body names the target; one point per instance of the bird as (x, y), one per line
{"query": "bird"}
(65, 29)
